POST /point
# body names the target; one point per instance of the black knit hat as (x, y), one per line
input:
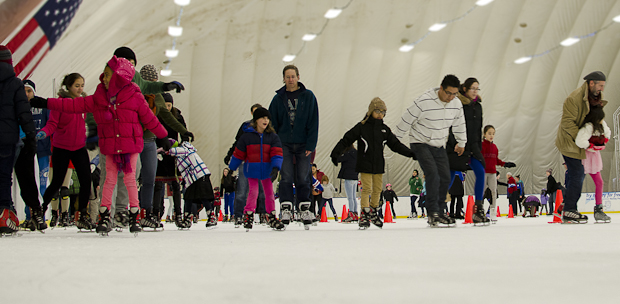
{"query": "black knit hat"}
(167, 98)
(261, 112)
(149, 72)
(125, 52)
(596, 76)
(5, 55)
(29, 83)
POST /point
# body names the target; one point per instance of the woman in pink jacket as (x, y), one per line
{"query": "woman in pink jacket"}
(68, 133)
(120, 110)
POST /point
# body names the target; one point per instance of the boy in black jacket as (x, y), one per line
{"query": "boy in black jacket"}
(371, 134)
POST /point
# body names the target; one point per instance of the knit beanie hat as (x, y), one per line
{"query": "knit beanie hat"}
(167, 97)
(261, 112)
(375, 104)
(125, 52)
(596, 76)
(149, 72)
(5, 55)
(30, 84)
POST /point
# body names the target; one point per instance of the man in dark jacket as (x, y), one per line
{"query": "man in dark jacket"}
(552, 187)
(14, 112)
(295, 117)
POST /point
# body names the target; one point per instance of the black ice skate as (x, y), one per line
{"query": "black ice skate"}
(187, 220)
(248, 219)
(36, 220)
(436, 220)
(274, 222)
(83, 221)
(364, 219)
(150, 221)
(211, 220)
(478, 216)
(286, 212)
(134, 226)
(374, 218)
(238, 221)
(306, 215)
(178, 221)
(64, 220)
(573, 217)
(600, 216)
(121, 220)
(104, 226)
(54, 219)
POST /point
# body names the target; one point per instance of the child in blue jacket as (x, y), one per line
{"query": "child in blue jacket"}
(260, 151)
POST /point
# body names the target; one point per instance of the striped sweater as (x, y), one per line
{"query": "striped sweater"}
(189, 163)
(428, 120)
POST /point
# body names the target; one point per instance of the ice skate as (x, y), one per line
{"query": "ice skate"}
(600, 216)
(178, 221)
(121, 220)
(225, 219)
(134, 226)
(349, 218)
(9, 224)
(364, 219)
(248, 219)
(238, 221)
(436, 220)
(64, 220)
(104, 226)
(187, 220)
(264, 219)
(150, 221)
(211, 220)
(374, 218)
(573, 217)
(306, 215)
(83, 221)
(168, 219)
(478, 216)
(36, 220)
(274, 222)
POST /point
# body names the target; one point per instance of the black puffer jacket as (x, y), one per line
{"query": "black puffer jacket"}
(14, 107)
(371, 137)
(472, 111)
(348, 160)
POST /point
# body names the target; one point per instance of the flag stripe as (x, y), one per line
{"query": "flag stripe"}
(38, 60)
(23, 35)
(22, 51)
(31, 54)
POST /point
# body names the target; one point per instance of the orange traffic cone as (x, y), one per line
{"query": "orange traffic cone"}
(344, 213)
(510, 213)
(470, 211)
(498, 214)
(557, 217)
(324, 215)
(387, 218)
(221, 217)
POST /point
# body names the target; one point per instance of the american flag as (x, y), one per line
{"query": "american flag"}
(40, 34)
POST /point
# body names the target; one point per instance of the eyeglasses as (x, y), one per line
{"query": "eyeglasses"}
(380, 112)
(475, 90)
(449, 93)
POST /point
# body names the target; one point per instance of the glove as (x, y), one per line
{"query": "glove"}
(189, 135)
(31, 142)
(41, 135)
(164, 143)
(227, 160)
(335, 161)
(274, 174)
(412, 155)
(175, 85)
(38, 102)
(509, 165)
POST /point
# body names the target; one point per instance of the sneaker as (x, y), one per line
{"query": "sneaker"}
(599, 215)
(9, 224)
(573, 217)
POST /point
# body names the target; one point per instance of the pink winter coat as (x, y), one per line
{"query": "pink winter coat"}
(118, 111)
(68, 130)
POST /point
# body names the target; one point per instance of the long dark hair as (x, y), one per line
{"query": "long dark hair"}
(70, 79)
(269, 128)
(467, 85)
(595, 116)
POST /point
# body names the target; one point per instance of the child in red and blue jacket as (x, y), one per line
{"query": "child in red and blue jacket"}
(260, 150)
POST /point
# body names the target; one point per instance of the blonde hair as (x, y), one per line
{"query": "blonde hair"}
(325, 179)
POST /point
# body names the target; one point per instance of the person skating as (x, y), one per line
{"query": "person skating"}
(347, 172)
(371, 135)
(491, 160)
(328, 196)
(415, 188)
(576, 106)
(389, 195)
(228, 184)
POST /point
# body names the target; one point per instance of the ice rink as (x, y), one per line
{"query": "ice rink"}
(520, 260)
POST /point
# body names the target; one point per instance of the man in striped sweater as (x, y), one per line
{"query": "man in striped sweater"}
(427, 122)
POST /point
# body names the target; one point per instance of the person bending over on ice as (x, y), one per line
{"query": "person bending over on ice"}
(371, 134)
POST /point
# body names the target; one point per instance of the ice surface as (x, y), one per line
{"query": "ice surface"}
(521, 260)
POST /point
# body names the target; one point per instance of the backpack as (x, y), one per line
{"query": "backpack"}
(150, 99)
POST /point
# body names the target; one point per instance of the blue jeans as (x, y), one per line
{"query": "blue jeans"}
(44, 169)
(295, 156)
(148, 158)
(229, 202)
(241, 194)
(434, 163)
(331, 206)
(349, 188)
(413, 199)
(478, 169)
(7, 159)
(575, 173)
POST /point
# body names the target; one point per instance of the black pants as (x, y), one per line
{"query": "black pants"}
(392, 209)
(81, 162)
(514, 202)
(458, 201)
(316, 201)
(24, 171)
(158, 197)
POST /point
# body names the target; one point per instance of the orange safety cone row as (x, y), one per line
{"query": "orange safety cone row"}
(510, 212)
(324, 215)
(344, 213)
(387, 218)
(470, 211)
(498, 214)
(221, 217)
(557, 217)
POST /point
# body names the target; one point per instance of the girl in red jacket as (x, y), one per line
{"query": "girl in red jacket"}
(120, 110)
(491, 159)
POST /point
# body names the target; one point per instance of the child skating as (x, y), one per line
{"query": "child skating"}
(491, 160)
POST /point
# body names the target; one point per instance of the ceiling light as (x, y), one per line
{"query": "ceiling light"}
(175, 31)
(483, 2)
(308, 37)
(333, 13)
(172, 53)
(166, 72)
(523, 59)
(617, 18)
(406, 48)
(569, 41)
(182, 2)
(436, 27)
(289, 58)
